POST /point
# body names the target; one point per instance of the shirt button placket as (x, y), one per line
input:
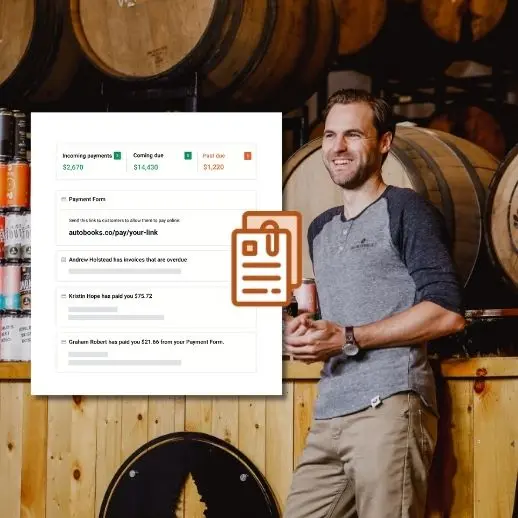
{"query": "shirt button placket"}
(345, 233)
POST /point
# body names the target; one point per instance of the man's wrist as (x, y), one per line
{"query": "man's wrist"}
(359, 336)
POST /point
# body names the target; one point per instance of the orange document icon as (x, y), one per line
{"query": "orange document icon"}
(266, 258)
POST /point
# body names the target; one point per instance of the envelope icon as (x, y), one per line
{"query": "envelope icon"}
(264, 267)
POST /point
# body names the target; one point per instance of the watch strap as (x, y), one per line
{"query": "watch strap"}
(349, 335)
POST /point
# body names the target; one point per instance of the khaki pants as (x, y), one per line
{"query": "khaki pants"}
(371, 464)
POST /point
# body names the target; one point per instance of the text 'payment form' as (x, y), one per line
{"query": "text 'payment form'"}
(133, 215)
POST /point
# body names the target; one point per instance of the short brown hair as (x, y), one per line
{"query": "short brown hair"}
(381, 109)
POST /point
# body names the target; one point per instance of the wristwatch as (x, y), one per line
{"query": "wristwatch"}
(350, 347)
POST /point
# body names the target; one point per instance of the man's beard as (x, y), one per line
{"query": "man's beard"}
(361, 175)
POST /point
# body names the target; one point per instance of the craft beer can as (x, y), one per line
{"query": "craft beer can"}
(306, 295)
(2, 290)
(25, 335)
(28, 139)
(18, 185)
(26, 237)
(2, 238)
(11, 286)
(6, 133)
(25, 288)
(14, 227)
(3, 184)
(10, 340)
(20, 135)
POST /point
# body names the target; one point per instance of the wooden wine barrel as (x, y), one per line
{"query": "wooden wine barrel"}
(249, 49)
(375, 37)
(472, 123)
(283, 68)
(39, 55)
(142, 40)
(447, 18)
(320, 50)
(452, 173)
(360, 23)
(502, 218)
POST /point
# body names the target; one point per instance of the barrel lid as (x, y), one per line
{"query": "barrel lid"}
(152, 479)
(146, 40)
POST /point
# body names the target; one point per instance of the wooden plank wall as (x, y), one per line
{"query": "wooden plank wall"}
(57, 456)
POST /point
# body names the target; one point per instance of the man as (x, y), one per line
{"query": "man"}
(386, 285)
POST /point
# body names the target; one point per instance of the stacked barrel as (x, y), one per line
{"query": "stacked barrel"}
(15, 237)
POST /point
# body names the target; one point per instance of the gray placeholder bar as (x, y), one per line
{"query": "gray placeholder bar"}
(91, 309)
(87, 354)
(125, 362)
(132, 271)
(116, 317)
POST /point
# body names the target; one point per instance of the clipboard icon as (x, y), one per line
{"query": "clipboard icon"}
(266, 258)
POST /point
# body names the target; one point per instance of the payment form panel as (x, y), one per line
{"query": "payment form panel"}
(133, 215)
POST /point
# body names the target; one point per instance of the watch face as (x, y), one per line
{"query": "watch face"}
(350, 349)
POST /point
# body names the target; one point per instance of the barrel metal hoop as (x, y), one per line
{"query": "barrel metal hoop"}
(224, 46)
(259, 52)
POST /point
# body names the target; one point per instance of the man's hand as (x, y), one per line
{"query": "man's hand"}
(320, 340)
(296, 326)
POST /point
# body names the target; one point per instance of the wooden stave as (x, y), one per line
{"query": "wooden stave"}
(44, 76)
(490, 244)
(477, 199)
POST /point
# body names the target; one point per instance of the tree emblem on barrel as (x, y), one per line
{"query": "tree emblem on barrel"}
(188, 474)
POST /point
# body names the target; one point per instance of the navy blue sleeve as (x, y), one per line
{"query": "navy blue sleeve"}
(419, 233)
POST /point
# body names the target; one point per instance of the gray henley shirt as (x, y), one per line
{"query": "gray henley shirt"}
(391, 256)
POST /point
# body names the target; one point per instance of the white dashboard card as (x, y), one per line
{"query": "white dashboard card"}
(132, 217)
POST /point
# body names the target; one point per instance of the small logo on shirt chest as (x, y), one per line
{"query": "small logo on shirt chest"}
(363, 243)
